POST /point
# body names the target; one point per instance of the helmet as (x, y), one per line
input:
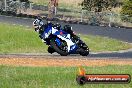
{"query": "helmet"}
(68, 29)
(37, 24)
(58, 26)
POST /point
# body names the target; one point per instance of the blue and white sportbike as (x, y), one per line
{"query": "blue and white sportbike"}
(60, 40)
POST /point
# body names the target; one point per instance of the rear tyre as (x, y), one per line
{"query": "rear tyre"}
(57, 49)
(50, 50)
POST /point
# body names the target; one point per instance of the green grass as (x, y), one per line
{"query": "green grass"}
(56, 77)
(97, 43)
(18, 39)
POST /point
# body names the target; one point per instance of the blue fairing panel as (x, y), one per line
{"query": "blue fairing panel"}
(73, 48)
(46, 30)
(58, 42)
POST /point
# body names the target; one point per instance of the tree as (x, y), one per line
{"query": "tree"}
(127, 8)
(126, 11)
(98, 5)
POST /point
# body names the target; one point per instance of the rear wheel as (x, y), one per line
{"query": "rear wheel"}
(51, 50)
(62, 49)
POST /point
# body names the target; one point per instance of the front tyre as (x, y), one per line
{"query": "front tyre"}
(84, 52)
(57, 48)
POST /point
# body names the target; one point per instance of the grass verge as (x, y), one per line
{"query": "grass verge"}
(19, 39)
(56, 77)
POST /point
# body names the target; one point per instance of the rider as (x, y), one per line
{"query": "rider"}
(40, 26)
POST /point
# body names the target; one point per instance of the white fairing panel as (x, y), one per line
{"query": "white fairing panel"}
(67, 39)
(54, 30)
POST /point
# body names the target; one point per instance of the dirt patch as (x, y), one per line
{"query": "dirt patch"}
(62, 62)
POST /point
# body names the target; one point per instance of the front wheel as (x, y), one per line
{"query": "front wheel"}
(84, 52)
(60, 49)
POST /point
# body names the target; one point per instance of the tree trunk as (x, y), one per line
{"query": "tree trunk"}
(52, 8)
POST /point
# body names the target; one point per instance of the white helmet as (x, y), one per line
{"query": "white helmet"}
(37, 24)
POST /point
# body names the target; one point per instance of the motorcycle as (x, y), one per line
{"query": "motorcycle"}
(60, 40)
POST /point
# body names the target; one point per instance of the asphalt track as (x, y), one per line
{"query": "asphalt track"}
(110, 55)
(115, 33)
